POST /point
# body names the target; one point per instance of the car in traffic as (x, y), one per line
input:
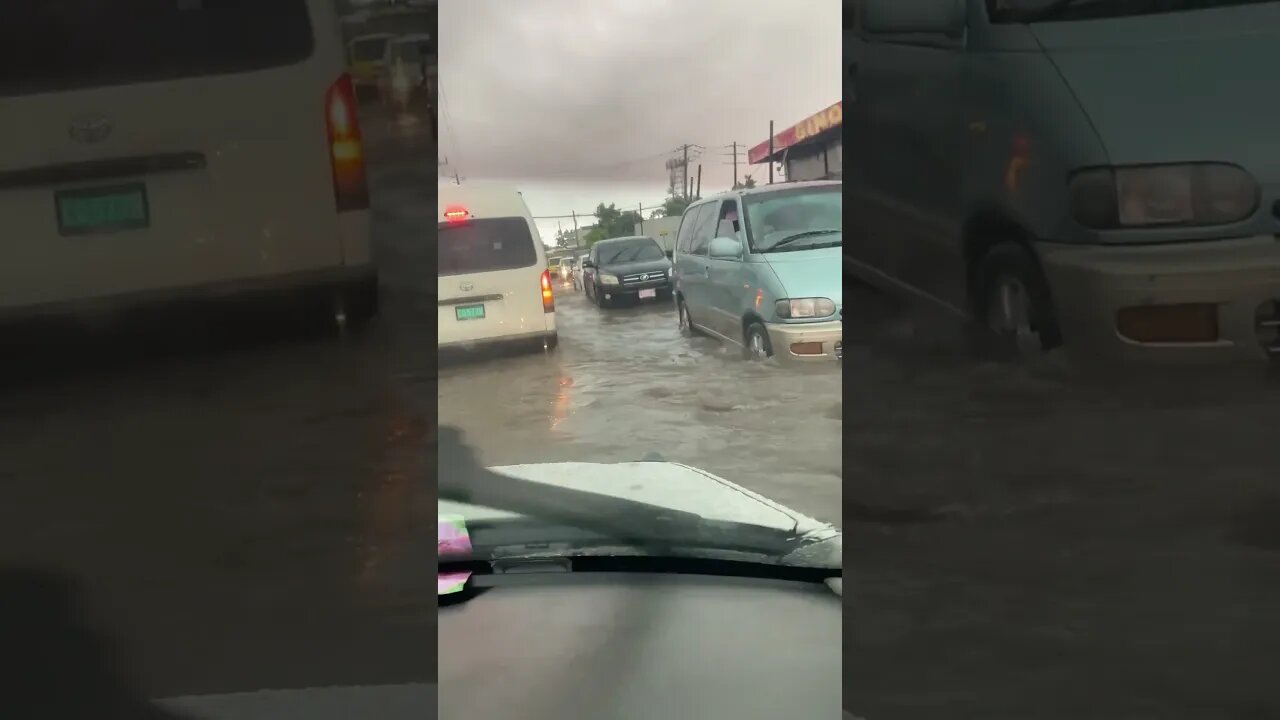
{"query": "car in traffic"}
(632, 267)
(1097, 176)
(174, 154)
(365, 56)
(577, 271)
(760, 268)
(494, 287)
(408, 72)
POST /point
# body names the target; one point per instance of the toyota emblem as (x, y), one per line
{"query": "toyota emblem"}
(467, 287)
(643, 276)
(90, 128)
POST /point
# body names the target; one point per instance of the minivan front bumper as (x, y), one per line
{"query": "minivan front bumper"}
(1205, 301)
(805, 342)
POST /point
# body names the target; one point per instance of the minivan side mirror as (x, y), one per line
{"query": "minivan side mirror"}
(588, 264)
(670, 254)
(903, 17)
(725, 248)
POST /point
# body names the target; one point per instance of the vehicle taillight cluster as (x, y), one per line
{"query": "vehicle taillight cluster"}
(548, 298)
(346, 146)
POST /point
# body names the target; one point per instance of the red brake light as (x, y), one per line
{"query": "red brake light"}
(456, 213)
(548, 298)
(346, 146)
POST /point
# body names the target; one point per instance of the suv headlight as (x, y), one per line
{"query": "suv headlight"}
(805, 308)
(1162, 195)
(607, 279)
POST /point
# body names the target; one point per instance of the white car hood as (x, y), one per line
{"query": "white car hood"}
(412, 701)
(666, 484)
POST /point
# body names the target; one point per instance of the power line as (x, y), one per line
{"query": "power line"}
(448, 121)
(592, 212)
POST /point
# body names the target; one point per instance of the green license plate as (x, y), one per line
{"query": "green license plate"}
(469, 312)
(91, 211)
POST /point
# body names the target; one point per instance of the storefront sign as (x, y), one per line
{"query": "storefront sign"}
(832, 117)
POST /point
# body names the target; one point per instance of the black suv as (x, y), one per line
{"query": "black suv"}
(634, 267)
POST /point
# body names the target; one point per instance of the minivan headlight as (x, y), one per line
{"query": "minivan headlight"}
(805, 307)
(1162, 195)
(607, 279)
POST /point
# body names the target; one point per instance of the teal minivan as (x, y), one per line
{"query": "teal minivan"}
(1099, 174)
(759, 268)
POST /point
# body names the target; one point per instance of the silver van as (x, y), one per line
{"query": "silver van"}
(760, 268)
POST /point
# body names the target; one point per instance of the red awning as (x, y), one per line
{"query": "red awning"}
(832, 117)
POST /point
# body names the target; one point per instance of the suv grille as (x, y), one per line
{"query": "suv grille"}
(650, 276)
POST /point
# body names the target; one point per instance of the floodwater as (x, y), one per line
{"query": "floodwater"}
(1035, 543)
(625, 383)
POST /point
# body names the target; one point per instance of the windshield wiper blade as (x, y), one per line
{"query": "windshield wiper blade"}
(801, 236)
(632, 521)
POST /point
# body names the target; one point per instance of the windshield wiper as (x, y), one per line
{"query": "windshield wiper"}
(634, 522)
(800, 236)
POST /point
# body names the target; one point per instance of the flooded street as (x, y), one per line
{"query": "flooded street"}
(624, 383)
(1035, 544)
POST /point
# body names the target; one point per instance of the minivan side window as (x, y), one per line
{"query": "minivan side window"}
(685, 233)
(703, 229)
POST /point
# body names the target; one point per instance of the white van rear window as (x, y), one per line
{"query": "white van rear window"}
(52, 45)
(485, 245)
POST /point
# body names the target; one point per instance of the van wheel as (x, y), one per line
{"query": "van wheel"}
(757, 342)
(1013, 306)
(685, 320)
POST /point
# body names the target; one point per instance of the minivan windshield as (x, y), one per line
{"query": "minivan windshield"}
(1020, 11)
(634, 250)
(485, 245)
(798, 217)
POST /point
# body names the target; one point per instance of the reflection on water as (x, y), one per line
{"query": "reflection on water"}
(390, 501)
(624, 383)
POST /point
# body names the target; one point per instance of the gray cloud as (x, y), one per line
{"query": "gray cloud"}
(607, 89)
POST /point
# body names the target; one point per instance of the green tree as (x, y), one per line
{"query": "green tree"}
(673, 206)
(612, 222)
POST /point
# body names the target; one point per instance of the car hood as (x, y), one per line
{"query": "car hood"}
(638, 266)
(668, 486)
(809, 273)
(383, 702)
(1176, 87)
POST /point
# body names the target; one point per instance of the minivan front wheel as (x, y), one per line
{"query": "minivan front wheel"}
(758, 345)
(1014, 306)
(686, 322)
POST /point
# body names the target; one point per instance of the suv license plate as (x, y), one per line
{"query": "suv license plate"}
(469, 312)
(648, 294)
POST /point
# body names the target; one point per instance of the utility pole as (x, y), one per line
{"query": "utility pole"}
(698, 193)
(770, 152)
(577, 239)
(686, 171)
(456, 179)
(641, 205)
(559, 231)
(735, 163)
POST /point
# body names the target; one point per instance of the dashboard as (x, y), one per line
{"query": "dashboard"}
(633, 646)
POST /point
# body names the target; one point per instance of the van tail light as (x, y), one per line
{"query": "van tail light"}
(548, 298)
(346, 146)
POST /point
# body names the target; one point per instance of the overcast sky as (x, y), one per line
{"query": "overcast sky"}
(582, 101)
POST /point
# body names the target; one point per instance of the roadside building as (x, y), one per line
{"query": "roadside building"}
(812, 149)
